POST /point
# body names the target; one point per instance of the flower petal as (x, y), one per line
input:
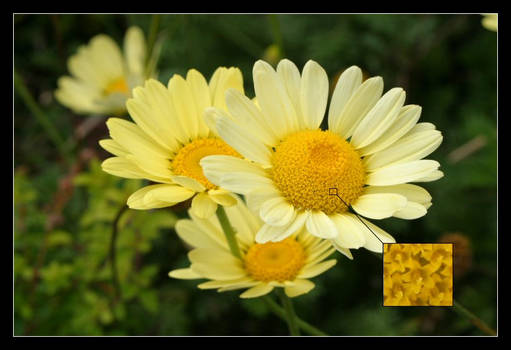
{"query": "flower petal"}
(347, 84)
(313, 94)
(379, 205)
(277, 212)
(203, 206)
(257, 291)
(299, 287)
(402, 173)
(320, 225)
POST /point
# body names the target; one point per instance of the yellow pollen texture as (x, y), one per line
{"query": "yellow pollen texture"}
(187, 159)
(306, 164)
(118, 85)
(275, 261)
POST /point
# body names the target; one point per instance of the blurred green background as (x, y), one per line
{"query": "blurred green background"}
(64, 205)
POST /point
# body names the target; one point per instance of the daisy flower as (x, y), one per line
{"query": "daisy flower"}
(102, 76)
(169, 138)
(370, 152)
(287, 264)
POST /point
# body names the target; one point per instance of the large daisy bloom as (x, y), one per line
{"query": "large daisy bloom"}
(169, 138)
(103, 76)
(373, 147)
(287, 264)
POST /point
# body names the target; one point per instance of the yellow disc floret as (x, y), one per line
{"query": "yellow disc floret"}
(187, 159)
(308, 163)
(275, 261)
(118, 85)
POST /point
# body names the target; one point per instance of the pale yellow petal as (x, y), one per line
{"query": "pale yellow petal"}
(316, 269)
(347, 84)
(222, 197)
(379, 205)
(203, 206)
(135, 50)
(184, 274)
(313, 94)
(257, 291)
(402, 173)
(320, 225)
(277, 212)
(300, 287)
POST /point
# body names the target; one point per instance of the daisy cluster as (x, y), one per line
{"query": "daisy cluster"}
(417, 274)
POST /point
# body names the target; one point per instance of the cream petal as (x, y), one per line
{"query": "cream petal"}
(222, 80)
(420, 127)
(410, 148)
(257, 197)
(243, 141)
(201, 96)
(215, 166)
(154, 114)
(184, 274)
(231, 284)
(407, 118)
(169, 193)
(188, 182)
(361, 102)
(245, 112)
(135, 50)
(294, 226)
(277, 212)
(123, 167)
(401, 173)
(157, 167)
(344, 251)
(379, 118)
(317, 269)
(290, 77)
(221, 272)
(320, 225)
(203, 206)
(257, 291)
(185, 109)
(375, 237)
(313, 94)
(267, 233)
(412, 211)
(243, 183)
(113, 147)
(413, 193)
(273, 100)
(129, 136)
(197, 237)
(214, 257)
(300, 287)
(350, 229)
(379, 205)
(138, 199)
(347, 84)
(222, 197)
(433, 176)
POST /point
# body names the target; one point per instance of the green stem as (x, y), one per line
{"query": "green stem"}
(277, 34)
(476, 321)
(41, 117)
(280, 312)
(228, 231)
(290, 312)
(153, 31)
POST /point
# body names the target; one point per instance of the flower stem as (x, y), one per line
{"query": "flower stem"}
(280, 312)
(228, 231)
(476, 321)
(290, 312)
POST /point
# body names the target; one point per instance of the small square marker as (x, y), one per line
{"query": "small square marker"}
(332, 191)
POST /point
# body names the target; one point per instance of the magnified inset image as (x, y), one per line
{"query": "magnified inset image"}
(417, 274)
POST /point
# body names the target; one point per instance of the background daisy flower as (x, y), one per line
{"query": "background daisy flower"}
(103, 76)
(370, 152)
(169, 138)
(287, 264)
(490, 21)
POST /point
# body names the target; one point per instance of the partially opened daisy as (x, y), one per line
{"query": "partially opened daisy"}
(373, 147)
(102, 76)
(287, 264)
(169, 138)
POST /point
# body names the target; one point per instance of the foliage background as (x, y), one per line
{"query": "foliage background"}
(64, 206)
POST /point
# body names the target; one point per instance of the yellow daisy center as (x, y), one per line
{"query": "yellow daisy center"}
(275, 261)
(187, 159)
(308, 163)
(118, 85)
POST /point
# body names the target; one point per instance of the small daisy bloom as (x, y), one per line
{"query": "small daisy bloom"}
(286, 264)
(490, 22)
(102, 76)
(370, 152)
(169, 138)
